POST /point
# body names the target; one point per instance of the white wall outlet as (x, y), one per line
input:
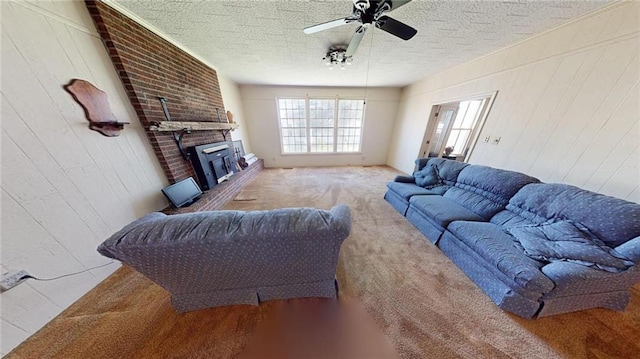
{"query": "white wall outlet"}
(12, 279)
(486, 139)
(496, 140)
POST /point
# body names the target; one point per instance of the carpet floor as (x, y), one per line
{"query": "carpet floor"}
(415, 298)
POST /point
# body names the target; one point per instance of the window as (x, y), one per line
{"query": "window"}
(350, 125)
(320, 125)
(293, 125)
(468, 113)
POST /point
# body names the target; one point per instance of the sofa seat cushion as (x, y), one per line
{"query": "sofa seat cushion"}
(564, 241)
(498, 249)
(407, 190)
(442, 211)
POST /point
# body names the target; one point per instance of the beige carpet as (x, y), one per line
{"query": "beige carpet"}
(425, 306)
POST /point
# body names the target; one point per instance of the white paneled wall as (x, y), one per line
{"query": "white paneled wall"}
(262, 118)
(567, 110)
(64, 188)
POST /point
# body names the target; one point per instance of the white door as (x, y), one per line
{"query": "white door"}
(439, 129)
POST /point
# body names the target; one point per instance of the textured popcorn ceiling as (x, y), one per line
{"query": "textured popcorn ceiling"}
(261, 42)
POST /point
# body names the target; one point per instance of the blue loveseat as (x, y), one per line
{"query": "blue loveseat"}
(536, 249)
(217, 258)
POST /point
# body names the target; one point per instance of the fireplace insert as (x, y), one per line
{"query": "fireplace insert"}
(213, 163)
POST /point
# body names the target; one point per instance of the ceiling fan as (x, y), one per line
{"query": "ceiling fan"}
(368, 12)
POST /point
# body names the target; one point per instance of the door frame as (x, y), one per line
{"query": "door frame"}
(436, 116)
(475, 134)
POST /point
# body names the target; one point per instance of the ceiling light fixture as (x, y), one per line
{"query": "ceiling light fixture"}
(337, 57)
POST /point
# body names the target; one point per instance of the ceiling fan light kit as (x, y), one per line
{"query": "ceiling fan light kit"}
(368, 12)
(337, 57)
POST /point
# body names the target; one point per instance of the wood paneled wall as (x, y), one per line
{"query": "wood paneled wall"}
(567, 108)
(65, 188)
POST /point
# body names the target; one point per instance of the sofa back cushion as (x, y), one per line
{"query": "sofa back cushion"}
(448, 170)
(195, 252)
(427, 177)
(612, 220)
(564, 241)
(486, 190)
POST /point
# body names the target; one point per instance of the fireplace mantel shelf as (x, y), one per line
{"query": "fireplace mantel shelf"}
(171, 126)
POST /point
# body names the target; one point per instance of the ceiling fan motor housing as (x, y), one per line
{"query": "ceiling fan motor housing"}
(366, 17)
(361, 5)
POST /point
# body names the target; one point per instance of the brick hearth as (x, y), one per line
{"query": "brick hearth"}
(224, 192)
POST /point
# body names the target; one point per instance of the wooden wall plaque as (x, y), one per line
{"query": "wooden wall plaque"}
(95, 104)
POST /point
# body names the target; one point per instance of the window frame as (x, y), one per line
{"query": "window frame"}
(336, 110)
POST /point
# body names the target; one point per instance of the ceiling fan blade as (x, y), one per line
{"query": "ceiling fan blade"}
(395, 27)
(397, 3)
(355, 40)
(327, 25)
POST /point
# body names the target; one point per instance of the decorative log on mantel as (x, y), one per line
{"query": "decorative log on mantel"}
(191, 126)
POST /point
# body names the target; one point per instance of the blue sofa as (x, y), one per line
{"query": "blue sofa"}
(536, 249)
(210, 259)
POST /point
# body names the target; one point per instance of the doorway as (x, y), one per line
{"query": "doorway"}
(454, 127)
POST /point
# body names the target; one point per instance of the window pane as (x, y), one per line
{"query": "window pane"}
(321, 124)
(321, 139)
(452, 140)
(321, 113)
(462, 110)
(292, 113)
(461, 141)
(293, 124)
(474, 107)
(350, 114)
(348, 139)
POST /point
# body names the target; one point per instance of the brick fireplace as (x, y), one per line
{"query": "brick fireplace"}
(151, 68)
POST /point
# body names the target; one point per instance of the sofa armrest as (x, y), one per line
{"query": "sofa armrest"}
(341, 214)
(404, 179)
(420, 163)
(107, 248)
(630, 249)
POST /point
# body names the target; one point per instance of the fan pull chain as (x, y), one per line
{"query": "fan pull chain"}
(366, 81)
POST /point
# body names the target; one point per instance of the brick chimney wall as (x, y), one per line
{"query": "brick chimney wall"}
(151, 67)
